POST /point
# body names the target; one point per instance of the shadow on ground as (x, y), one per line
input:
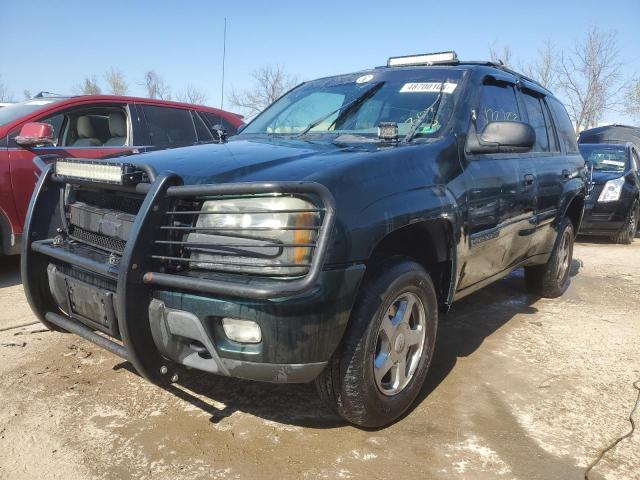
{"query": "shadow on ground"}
(461, 332)
(10, 271)
(600, 239)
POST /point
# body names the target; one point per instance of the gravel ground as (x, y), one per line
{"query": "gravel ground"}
(520, 388)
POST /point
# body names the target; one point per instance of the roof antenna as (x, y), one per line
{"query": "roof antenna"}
(224, 56)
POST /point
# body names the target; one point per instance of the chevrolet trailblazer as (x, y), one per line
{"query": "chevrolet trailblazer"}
(323, 242)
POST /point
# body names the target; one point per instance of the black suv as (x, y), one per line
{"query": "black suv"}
(321, 242)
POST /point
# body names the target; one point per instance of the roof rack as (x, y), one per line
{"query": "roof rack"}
(47, 94)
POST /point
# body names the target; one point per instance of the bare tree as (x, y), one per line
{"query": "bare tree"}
(632, 99)
(5, 95)
(116, 82)
(503, 56)
(590, 77)
(89, 86)
(192, 94)
(156, 88)
(269, 83)
(27, 94)
(544, 68)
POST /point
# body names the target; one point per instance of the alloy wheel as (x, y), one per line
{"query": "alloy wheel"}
(401, 340)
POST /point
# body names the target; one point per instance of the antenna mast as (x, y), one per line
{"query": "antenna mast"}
(224, 56)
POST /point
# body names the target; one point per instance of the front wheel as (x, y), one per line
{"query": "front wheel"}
(552, 279)
(378, 371)
(628, 233)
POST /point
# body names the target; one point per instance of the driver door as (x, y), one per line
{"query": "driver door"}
(501, 198)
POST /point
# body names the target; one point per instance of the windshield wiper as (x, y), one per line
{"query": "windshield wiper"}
(434, 107)
(345, 109)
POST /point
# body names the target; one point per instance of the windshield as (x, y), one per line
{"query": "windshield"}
(356, 104)
(611, 158)
(13, 112)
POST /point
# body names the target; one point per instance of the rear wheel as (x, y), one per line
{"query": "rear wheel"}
(552, 279)
(628, 233)
(382, 363)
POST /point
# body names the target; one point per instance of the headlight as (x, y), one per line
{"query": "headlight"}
(612, 190)
(261, 235)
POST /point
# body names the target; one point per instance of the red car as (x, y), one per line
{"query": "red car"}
(89, 127)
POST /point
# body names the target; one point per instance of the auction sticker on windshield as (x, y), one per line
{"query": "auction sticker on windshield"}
(613, 162)
(428, 87)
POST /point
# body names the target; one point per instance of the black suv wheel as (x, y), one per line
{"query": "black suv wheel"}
(552, 279)
(628, 233)
(382, 363)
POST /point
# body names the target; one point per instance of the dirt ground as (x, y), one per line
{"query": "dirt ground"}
(520, 388)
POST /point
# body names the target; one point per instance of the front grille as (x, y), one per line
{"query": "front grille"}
(101, 218)
(117, 201)
(94, 239)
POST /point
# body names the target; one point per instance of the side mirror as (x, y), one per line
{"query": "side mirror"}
(220, 132)
(505, 137)
(35, 134)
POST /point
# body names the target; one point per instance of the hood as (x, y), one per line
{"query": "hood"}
(600, 178)
(252, 160)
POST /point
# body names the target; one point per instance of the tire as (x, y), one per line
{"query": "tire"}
(628, 233)
(349, 385)
(552, 279)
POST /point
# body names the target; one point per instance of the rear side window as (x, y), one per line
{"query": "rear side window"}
(169, 127)
(212, 119)
(204, 135)
(535, 112)
(566, 133)
(497, 104)
(551, 134)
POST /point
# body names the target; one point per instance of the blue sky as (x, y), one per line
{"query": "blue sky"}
(52, 46)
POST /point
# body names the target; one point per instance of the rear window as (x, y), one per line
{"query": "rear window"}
(169, 126)
(11, 113)
(566, 132)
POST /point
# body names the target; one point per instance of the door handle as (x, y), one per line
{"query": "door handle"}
(529, 179)
(565, 173)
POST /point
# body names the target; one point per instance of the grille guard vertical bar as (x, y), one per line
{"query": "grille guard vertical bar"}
(133, 295)
(256, 289)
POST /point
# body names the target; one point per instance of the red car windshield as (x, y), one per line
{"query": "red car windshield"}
(13, 112)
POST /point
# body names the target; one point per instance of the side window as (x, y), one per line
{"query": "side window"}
(213, 119)
(537, 122)
(566, 133)
(90, 126)
(169, 127)
(56, 122)
(204, 135)
(636, 161)
(497, 104)
(551, 133)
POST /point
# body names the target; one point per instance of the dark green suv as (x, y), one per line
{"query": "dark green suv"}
(321, 243)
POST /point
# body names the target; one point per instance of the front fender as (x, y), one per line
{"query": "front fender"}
(575, 187)
(378, 219)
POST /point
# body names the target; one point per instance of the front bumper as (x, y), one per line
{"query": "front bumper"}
(160, 321)
(605, 218)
